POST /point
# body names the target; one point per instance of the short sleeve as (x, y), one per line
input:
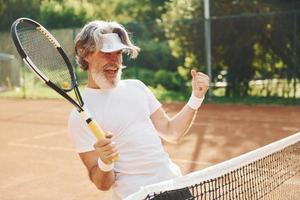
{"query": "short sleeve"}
(80, 134)
(153, 103)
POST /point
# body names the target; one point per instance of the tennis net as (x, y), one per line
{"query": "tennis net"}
(270, 173)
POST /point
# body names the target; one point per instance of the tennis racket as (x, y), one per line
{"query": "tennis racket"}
(45, 58)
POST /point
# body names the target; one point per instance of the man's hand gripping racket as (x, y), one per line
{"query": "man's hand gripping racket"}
(45, 58)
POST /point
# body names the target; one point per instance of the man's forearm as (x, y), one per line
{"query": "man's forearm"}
(102, 180)
(180, 124)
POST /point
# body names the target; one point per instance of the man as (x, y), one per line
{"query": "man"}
(128, 112)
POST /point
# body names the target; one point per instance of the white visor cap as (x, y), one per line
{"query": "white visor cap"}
(111, 42)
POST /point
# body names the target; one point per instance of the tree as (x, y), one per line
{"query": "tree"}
(13, 9)
(65, 14)
(241, 34)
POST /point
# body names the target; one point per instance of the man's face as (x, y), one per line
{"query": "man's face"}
(105, 68)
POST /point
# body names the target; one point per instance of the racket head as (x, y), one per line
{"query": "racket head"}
(43, 54)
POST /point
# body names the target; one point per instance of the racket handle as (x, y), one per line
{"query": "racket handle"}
(96, 129)
(99, 133)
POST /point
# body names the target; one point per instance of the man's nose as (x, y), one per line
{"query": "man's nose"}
(114, 57)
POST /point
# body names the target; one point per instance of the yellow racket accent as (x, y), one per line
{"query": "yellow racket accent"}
(51, 39)
(96, 129)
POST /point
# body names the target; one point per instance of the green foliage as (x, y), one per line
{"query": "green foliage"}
(154, 55)
(81, 76)
(144, 74)
(74, 13)
(245, 46)
(169, 80)
(171, 36)
(167, 95)
(64, 14)
(141, 11)
(13, 9)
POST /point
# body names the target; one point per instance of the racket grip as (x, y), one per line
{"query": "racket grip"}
(99, 133)
(96, 129)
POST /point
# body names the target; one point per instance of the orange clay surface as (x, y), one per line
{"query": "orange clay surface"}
(38, 160)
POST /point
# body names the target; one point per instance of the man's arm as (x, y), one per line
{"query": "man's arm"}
(173, 129)
(102, 180)
(105, 150)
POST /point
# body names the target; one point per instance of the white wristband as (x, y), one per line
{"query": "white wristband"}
(195, 102)
(105, 167)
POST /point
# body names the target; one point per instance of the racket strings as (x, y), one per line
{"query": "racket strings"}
(45, 56)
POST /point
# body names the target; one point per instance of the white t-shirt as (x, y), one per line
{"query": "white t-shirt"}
(125, 111)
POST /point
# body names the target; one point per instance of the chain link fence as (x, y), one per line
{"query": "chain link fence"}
(259, 56)
(252, 54)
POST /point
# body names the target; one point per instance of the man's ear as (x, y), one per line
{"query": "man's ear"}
(82, 53)
(86, 58)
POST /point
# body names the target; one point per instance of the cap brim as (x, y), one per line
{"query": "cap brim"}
(111, 42)
(115, 48)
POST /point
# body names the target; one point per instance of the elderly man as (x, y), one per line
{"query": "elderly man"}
(128, 112)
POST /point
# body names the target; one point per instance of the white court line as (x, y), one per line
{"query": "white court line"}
(45, 135)
(20, 143)
(50, 134)
(32, 146)
(23, 142)
(51, 148)
(294, 129)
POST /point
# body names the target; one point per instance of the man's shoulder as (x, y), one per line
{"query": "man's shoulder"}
(131, 81)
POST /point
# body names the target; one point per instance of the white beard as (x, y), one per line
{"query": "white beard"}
(102, 82)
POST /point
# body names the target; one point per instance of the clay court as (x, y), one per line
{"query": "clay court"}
(38, 160)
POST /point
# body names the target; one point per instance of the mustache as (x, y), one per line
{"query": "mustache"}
(112, 65)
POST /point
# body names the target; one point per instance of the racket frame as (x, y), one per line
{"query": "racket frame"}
(79, 104)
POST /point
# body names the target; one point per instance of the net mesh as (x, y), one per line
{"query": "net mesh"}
(270, 173)
(44, 55)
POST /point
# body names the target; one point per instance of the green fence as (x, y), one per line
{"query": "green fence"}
(252, 55)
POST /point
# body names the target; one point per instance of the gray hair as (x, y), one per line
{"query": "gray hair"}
(88, 40)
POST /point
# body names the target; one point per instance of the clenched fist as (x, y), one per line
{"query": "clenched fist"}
(200, 83)
(106, 149)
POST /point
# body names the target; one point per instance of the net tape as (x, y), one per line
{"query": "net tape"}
(253, 175)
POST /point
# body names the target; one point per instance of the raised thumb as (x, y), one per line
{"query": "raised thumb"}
(193, 73)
